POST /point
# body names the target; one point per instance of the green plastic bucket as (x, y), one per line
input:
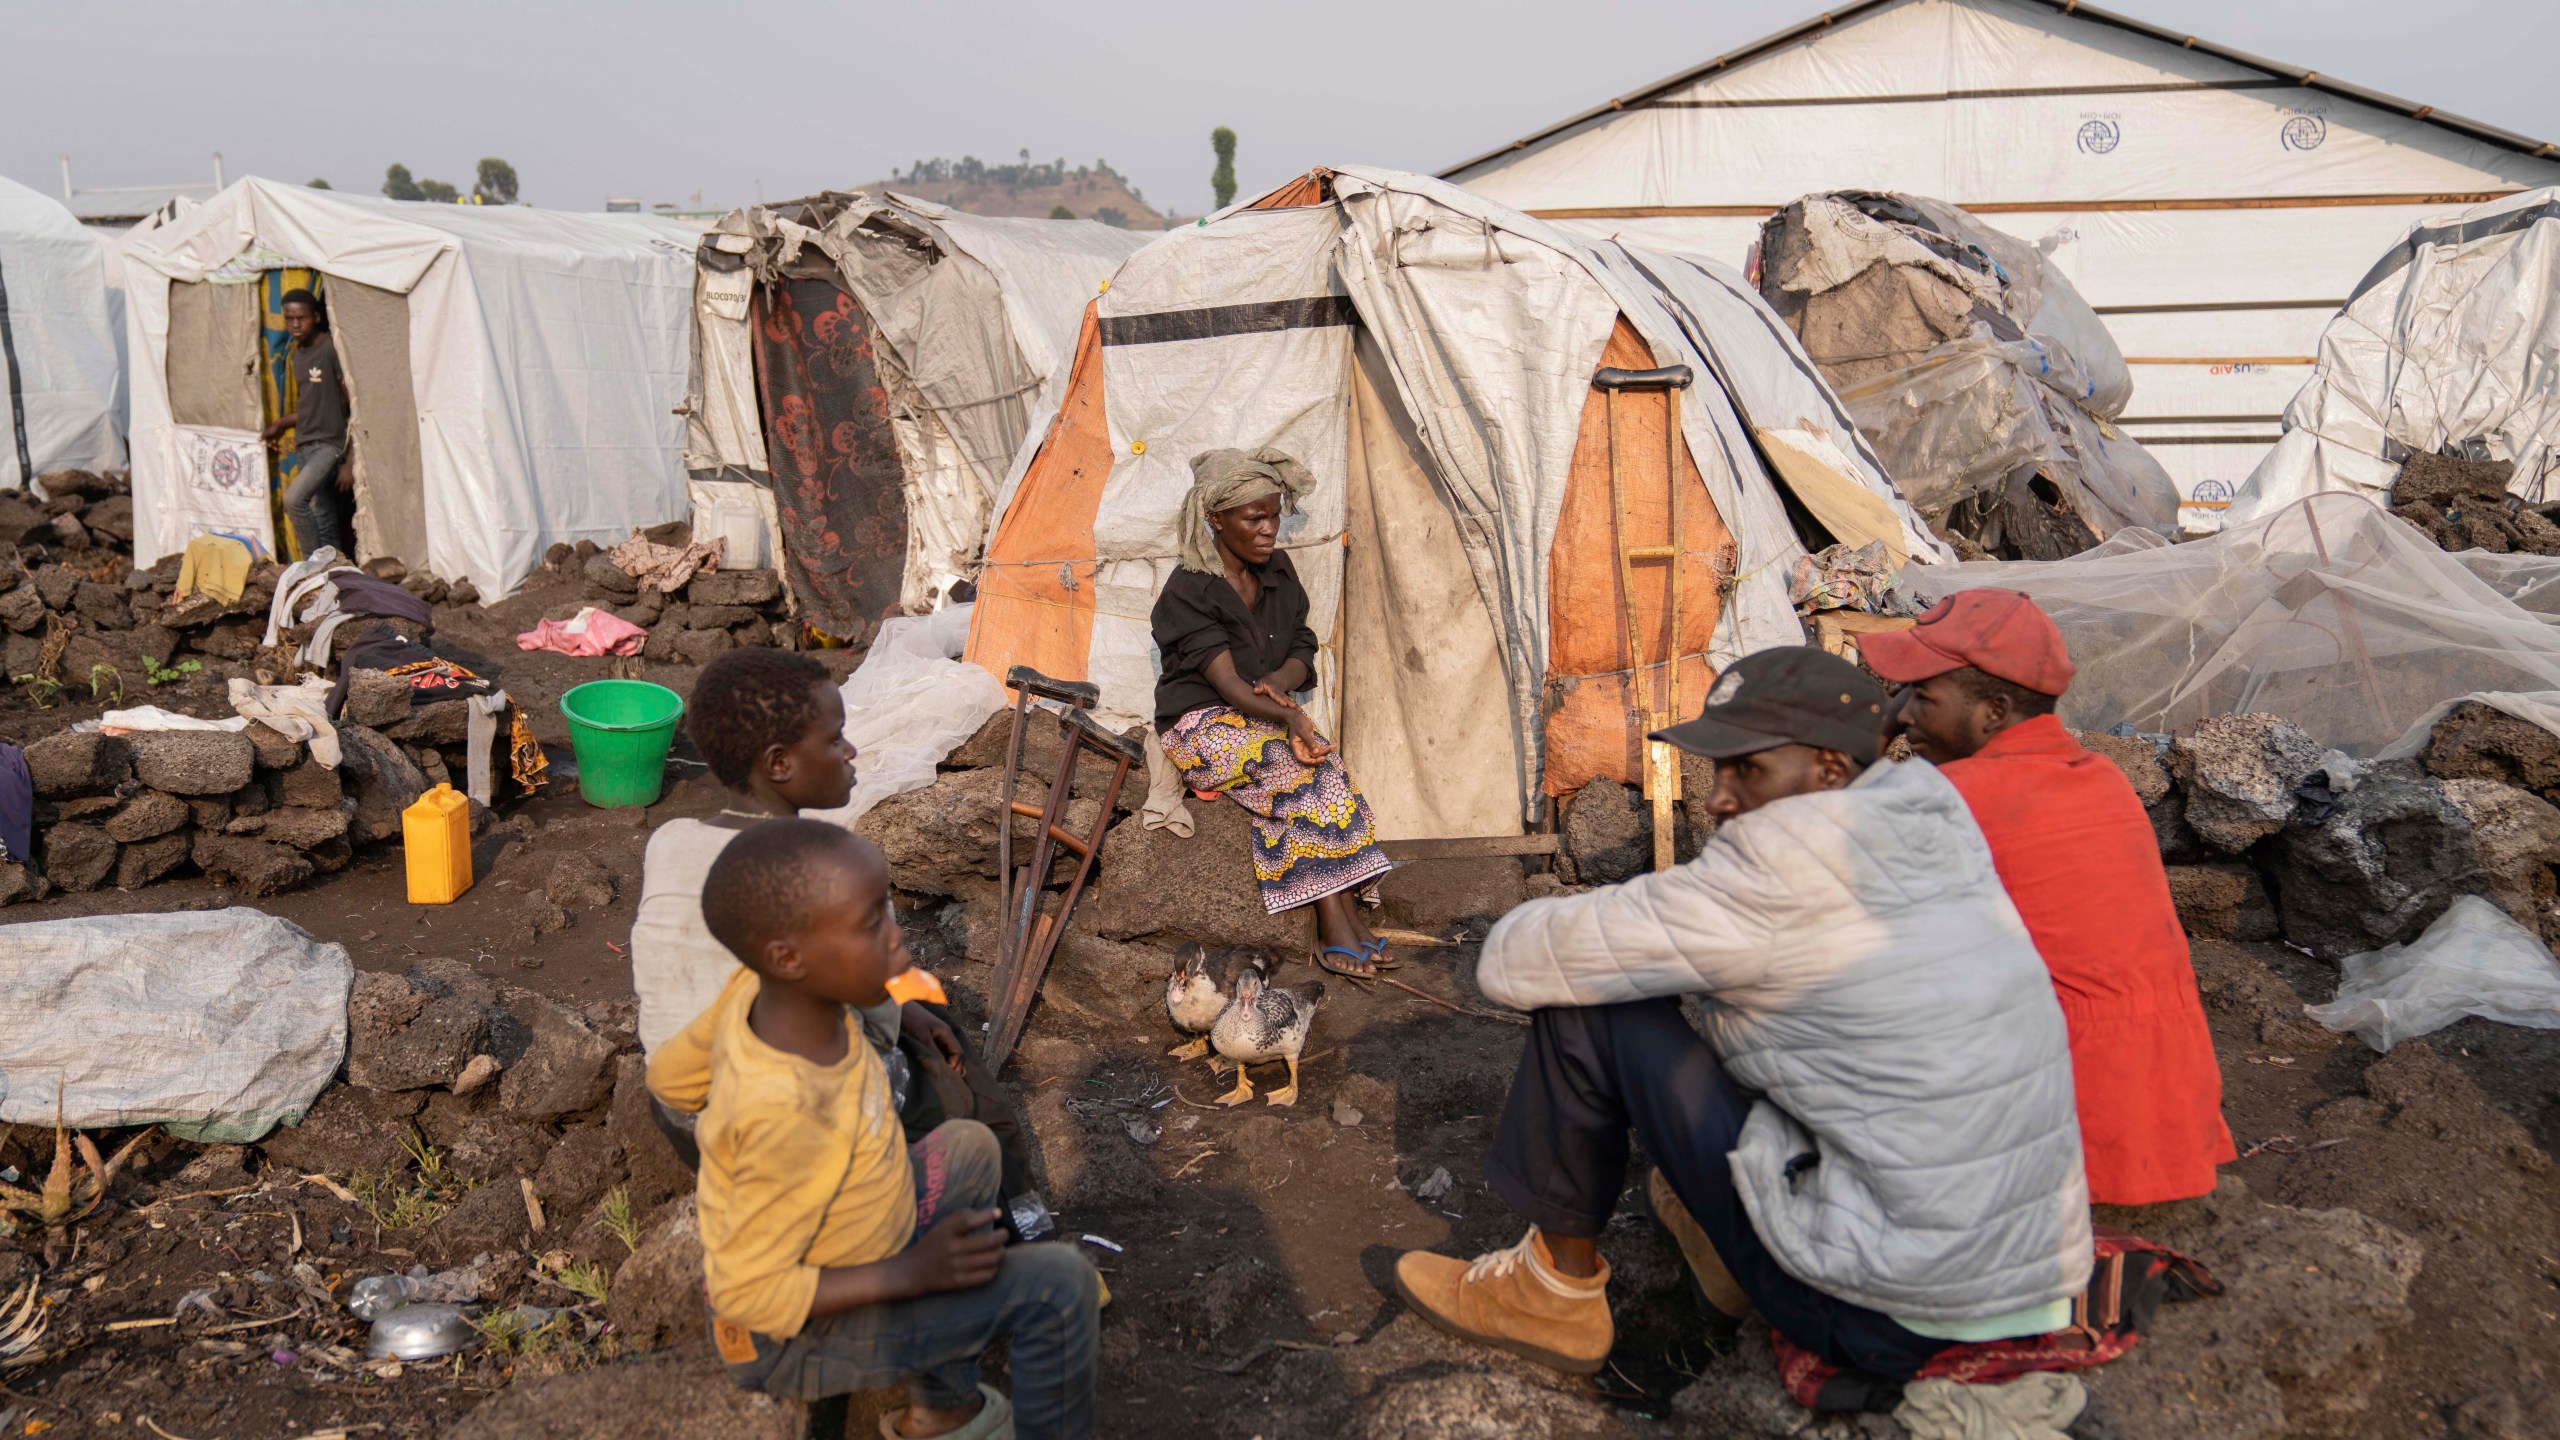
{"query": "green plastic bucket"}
(621, 731)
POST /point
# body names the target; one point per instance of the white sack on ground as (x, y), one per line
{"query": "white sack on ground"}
(2474, 960)
(911, 702)
(220, 1024)
(1973, 367)
(2330, 613)
(2451, 343)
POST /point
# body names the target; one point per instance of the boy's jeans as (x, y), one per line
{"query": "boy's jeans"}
(318, 512)
(1046, 1297)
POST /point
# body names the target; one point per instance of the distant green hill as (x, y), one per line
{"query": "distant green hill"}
(1026, 188)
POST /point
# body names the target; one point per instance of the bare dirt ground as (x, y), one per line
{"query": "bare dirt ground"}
(1249, 1248)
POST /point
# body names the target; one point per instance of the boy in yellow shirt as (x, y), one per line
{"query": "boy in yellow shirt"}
(836, 1256)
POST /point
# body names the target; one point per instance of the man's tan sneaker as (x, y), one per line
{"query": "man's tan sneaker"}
(1514, 1300)
(1716, 1287)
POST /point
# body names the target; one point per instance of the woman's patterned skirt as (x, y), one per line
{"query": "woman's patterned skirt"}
(1312, 833)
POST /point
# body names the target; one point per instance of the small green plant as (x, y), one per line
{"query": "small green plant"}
(585, 1279)
(106, 683)
(394, 1201)
(617, 1218)
(159, 674)
(40, 689)
(514, 1335)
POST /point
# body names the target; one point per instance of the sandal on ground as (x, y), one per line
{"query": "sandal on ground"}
(1358, 965)
(994, 1420)
(1376, 949)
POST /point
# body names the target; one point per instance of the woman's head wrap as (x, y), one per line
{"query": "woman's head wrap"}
(1225, 479)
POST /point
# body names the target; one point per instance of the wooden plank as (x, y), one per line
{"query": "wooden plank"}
(1472, 847)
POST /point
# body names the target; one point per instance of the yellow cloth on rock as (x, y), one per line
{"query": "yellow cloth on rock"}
(804, 1167)
(215, 564)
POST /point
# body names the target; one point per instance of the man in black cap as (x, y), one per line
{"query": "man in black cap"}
(1873, 1143)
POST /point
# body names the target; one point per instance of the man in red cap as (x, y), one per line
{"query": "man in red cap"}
(1979, 676)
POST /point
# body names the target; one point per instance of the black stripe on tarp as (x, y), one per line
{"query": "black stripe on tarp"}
(1210, 322)
(17, 391)
(2465, 232)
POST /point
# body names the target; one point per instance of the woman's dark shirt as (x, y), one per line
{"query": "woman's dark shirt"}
(1199, 616)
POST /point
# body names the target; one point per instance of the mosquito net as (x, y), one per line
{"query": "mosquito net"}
(2329, 612)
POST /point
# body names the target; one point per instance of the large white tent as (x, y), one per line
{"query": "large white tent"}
(515, 376)
(2214, 207)
(58, 372)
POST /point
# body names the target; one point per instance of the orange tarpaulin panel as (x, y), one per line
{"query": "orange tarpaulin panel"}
(1028, 611)
(1590, 734)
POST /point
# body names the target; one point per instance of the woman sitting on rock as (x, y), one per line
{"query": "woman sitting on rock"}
(1232, 640)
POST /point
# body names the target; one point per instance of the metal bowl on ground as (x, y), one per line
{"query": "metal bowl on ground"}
(423, 1331)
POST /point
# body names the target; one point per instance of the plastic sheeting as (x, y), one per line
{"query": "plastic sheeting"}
(2450, 345)
(910, 703)
(2474, 960)
(972, 316)
(2330, 613)
(221, 1024)
(549, 354)
(1969, 363)
(64, 386)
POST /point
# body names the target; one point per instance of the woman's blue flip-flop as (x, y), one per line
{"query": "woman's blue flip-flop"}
(1376, 949)
(1360, 957)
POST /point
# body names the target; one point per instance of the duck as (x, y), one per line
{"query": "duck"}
(1199, 991)
(1263, 1023)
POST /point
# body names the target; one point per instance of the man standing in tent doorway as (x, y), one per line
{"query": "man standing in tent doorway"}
(320, 504)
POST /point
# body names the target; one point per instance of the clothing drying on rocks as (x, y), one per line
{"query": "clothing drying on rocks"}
(1981, 672)
(1874, 1133)
(1231, 628)
(835, 1256)
(589, 632)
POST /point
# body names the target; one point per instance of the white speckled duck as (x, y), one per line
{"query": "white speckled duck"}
(1199, 991)
(1265, 1022)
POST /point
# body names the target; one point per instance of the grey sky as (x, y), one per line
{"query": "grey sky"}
(640, 97)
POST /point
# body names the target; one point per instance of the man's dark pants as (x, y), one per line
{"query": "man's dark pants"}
(1560, 1158)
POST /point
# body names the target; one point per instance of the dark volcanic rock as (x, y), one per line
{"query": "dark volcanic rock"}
(568, 1068)
(194, 762)
(151, 860)
(733, 587)
(2223, 902)
(2477, 742)
(78, 857)
(349, 1128)
(429, 1048)
(2388, 860)
(1608, 833)
(384, 780)
(147, 814)
(253, 867)
(74, 762)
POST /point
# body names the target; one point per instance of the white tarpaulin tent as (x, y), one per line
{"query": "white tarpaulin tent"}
(1434, 359)
(58, 375)
(2451, 344)
(2213, 207)
(970, 316)
(514, 374)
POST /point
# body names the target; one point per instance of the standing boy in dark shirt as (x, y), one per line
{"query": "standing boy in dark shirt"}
(321, 501)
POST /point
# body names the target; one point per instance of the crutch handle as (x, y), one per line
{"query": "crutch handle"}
(1676, 377)
(1077, 694)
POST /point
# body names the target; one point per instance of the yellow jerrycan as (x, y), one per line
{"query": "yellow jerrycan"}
(435, 833)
